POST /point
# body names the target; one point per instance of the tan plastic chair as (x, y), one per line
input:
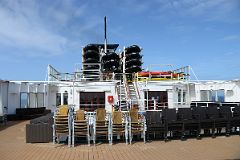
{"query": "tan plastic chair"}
(80, 126)
(61, 124)
(101, 127)
(136, 125)
(63, 110)
(119, 126)
(79, 116)
(100, 114)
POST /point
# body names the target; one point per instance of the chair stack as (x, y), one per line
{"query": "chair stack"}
(235, 119)
(172, 123)
(155, 124)
(101, 124)
(119, 126)
(62, 124)
(80, 126)
(136, 125)
(196, 121)
(190, 124)
(167, 124)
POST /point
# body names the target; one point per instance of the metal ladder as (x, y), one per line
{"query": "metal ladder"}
(132, 94)
(122, 97)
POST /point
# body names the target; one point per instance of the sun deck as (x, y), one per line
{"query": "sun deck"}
(13, 146)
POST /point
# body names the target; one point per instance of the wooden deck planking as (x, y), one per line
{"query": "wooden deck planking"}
(13, 146)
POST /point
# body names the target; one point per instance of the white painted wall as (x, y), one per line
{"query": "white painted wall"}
(227, 86)
(12, 98)
(74, 91)
(3, 97)
(1, 103)
(171, 87)
(107, 87)
(51, 97)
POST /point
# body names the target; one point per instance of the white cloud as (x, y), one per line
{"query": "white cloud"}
(210, 10)
(21, 27)
(231, 38)
(42, 29)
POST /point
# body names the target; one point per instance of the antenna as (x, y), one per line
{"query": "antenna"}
(105, 34)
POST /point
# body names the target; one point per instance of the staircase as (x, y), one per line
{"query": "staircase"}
(127, 95)
(122, 96)
(132, 94)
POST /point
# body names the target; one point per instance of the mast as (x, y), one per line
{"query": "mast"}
(105, 34)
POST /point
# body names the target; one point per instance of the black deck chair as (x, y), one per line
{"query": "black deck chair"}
(189, 123)
(235, 121)
(199, 114)
(172, 124)
(155, 125)
(213, 104)
(193, 104)
(219, 122)
(226, 118)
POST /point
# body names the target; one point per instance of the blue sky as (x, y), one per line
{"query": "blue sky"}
(202, 33)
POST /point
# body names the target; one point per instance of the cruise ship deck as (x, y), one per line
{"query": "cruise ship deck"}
(13, 146)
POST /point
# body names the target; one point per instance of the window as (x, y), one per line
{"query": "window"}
(58, 99)
(213, 95)
(160, 98)
(24, 100)
(90, 101)
(32, 100)
(229, 93)
(184, 97)
(205, 95)
(40, 99)
(65, 98)
(220, 96)
(181, 97)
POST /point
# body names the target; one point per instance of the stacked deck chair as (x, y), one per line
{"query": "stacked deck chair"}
(219, 121)
(226, 116)
(80, 127)
(62, 124)
(101, 125)
(155, 125)
(206, 122)
(189, 123)
(136, 125)
(172, 124)
(118, 126)
(235, 121)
